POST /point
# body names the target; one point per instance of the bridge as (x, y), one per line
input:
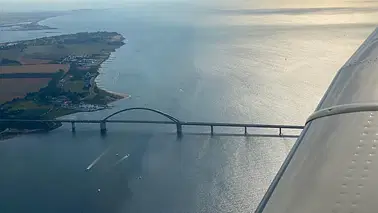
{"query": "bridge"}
(171, 121)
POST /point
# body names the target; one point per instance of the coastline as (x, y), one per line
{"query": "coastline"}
(11, 132)
(104, 90)
(110, 95)
(31, 21)
(96, 99)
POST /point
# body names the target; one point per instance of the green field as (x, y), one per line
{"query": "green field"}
(26, 105)
(56, 52)
(74, 86)
(58, 112)
(12, 54)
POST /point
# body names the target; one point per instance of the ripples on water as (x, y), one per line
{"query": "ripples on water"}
(224, 61)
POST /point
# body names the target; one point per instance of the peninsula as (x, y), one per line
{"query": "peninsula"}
(53, 76)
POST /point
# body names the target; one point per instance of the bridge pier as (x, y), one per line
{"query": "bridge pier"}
(103, 127)
(280, 133)
(245, 131)
(212, 130)
(73, 126)
(179, 129)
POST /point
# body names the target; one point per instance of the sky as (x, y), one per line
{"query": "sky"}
(52, 5)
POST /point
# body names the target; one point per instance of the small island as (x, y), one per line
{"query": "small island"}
(49, 77)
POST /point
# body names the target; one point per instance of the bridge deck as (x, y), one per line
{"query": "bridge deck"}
(179, 124)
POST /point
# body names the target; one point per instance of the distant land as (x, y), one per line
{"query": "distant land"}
(25, 21)
(53, 76)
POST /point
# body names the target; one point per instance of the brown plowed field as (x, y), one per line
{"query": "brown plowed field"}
(18, 87)
(38, 68)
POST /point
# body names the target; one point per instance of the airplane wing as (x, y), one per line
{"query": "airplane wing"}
(333, 166)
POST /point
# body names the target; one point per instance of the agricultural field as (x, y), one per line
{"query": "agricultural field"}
(74, 86)
(42, 54)
(18, 88)
(31, 61)
(17, 54)
(46, 52)
(17, 81)
(12, 54)
(58, 51)
(37, 68)
(33, 66)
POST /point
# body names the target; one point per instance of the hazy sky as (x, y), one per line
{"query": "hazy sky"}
(37, 5)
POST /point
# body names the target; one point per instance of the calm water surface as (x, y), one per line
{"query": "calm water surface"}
(236, 62)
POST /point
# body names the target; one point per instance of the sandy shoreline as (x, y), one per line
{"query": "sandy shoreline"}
(119, 95)
(122, 95)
